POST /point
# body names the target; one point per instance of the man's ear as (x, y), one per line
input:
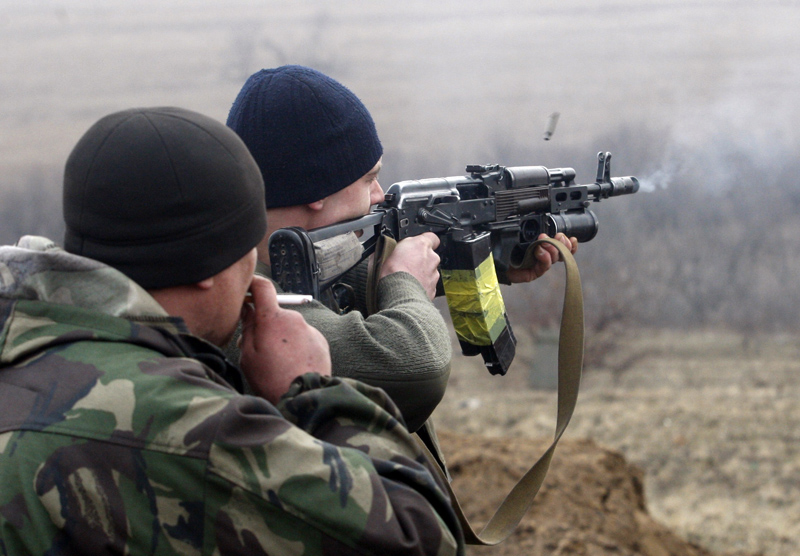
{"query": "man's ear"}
(206, 284)
(316, 205)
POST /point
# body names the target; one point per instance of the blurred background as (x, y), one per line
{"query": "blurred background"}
(691, 286)
(697, 99)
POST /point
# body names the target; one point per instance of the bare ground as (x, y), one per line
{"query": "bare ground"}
(709, 426)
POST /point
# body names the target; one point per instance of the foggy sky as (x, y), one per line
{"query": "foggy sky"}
(451, 81)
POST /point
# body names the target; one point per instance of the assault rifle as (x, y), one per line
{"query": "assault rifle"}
(495, 210)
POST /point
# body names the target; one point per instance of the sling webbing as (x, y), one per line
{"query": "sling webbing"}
(383, 248)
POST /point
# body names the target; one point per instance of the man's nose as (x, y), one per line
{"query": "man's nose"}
(376, 194)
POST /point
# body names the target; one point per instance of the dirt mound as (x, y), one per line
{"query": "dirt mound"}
(592, 502)
(713, 424)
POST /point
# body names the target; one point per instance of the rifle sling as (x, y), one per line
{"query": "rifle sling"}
(570, 363)
(383, 248)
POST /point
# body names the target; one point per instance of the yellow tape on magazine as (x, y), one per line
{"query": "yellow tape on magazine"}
(475, 303)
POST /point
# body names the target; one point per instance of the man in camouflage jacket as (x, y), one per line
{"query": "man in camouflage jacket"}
(121, 432)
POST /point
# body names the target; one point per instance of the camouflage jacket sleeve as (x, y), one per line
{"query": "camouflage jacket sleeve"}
(354, 481)
(404, 348)
(210, 471)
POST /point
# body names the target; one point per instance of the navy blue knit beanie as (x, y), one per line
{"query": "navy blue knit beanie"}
(310, 135)
(165, 195)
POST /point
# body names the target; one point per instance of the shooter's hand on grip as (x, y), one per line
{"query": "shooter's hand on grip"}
(416, 256)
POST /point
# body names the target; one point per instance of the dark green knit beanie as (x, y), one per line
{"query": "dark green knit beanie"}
(165, 195)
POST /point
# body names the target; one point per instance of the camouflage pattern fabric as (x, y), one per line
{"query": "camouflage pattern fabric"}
(114, 438)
